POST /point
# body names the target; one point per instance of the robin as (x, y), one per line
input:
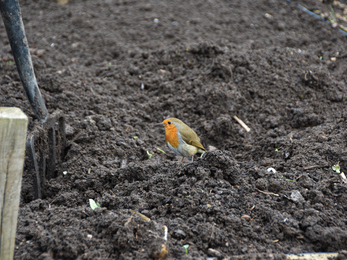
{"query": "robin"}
(181, 138)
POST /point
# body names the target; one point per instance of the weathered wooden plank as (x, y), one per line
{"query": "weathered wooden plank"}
(13, 130)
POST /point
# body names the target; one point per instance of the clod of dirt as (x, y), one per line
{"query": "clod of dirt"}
(158, 249)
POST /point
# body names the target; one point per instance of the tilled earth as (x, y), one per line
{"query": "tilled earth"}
(115, 68)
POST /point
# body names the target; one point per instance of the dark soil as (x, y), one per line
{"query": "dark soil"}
(115, 68)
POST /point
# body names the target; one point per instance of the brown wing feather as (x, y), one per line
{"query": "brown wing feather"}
(190, 137)
(193, 140)
(197, 144)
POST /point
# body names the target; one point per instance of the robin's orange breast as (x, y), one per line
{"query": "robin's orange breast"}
(172, 137)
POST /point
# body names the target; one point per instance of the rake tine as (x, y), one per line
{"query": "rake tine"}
(34, 166)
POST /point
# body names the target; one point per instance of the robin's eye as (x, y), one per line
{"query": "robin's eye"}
(169, 123)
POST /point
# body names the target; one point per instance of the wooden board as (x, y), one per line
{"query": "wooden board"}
(312, 256)
(13, 130)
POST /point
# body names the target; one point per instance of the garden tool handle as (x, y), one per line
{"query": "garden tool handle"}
(11, 16)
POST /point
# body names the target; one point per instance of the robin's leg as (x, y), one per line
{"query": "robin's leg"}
(193, 158)
(182, 159)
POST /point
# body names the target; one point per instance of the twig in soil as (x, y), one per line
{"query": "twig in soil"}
(185, 240)
(315, 166)
(247, 217)
(143, 217)
(242, 123)
(75, 138)
(128, 221)
(298, 177)
(267, 193)
(294, 175)
(251, 209)
(70, 71)
(49, 205)
(92, 90)
(343, 177)
(165, 233)
(211, 234)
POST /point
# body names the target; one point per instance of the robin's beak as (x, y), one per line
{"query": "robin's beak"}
(161, 124)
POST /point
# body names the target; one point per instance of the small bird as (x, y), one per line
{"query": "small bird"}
(181, 139)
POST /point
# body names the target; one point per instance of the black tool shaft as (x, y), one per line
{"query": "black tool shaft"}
(11, 16)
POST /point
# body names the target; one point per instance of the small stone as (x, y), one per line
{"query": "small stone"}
(214, 253)
(69, 129)
(179, 234)
(268, 16)
(195, 21)
(296, 196)
(244, 249)
(211, 148)
(40, 52)
(139, 141)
